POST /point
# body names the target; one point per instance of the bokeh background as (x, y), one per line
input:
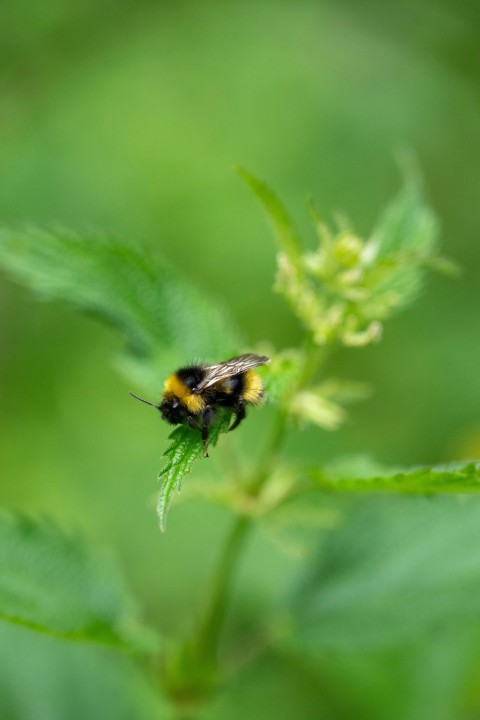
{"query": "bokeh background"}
(129, 117)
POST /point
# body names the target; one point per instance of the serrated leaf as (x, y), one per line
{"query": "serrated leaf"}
(458, 477)
(396, 569)
(58, 585)
(43, 679)
(402, 245)
(185, 448)
(161, 315)
(285, 231)
(407, 223)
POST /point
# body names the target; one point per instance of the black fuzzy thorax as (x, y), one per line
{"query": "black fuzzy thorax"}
(191, 375)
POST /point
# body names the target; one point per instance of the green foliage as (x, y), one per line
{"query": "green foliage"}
(406, 225)
(282, 373)
(185, 448)
(392, 571)
(323, 405)
(163, 318)
(285, 232)
(57, 585)
(128, 119)
(368, 586)
(43, 678)
(451, 478)
(402, 245)
(349, 286)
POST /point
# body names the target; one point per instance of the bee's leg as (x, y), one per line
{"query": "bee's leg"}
(193, 422)
(240, 414)
(198, 424)
(208, 416)
(205, 440)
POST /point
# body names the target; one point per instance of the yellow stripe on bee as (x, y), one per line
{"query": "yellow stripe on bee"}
(174, 387)
(253, 388)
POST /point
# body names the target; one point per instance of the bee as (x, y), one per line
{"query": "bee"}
(193, 394)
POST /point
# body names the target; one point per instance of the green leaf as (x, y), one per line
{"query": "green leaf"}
(44, 679)
(285, 231)
(312, 406)
(407, 223)
(282, 374)
(401, 247)
(395, 569)
(323, 404)
(163, 318)
(185, 448)
(296, 519)
(458, 477)
(422, 679)
(57, 585)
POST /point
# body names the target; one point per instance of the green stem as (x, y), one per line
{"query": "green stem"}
(312, 359)
(212, 624)
(267, 464)
(208, 636)
(210, 630)
(211, 627)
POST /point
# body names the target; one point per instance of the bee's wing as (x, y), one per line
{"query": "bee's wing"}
(215, 373)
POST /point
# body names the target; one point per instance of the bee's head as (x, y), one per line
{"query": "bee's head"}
(170, 408)
(173, 411)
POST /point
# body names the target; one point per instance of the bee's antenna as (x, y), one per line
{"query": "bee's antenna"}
(147, 402)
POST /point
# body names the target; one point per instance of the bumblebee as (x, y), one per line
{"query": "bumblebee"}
(193, 394)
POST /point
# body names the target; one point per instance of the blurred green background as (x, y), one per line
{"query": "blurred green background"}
(129, 117)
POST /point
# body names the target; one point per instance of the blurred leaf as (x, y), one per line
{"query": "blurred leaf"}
(282, 373)
(348, 287)
(401, 247)
(285, 231)
(322, 405)
(345, 391)
(294, 524)
(444, 265)
(185, 448)
(161, 315)
(407, 223)
(425, 679)
(458, 477)
(396, 568)
(43, 679)
(312, 406)
(57, 585)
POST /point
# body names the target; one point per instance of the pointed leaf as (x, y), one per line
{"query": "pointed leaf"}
(407, 223)
(57, 585)
(44, 679)
(161, 315)
(396, 568)
(185, 448)
(459, 477)
(285, 231)
(402, 246)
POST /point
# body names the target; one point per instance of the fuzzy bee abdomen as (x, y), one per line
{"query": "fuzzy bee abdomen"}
(253, 388)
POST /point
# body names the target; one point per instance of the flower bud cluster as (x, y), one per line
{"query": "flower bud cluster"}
(345, 289)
